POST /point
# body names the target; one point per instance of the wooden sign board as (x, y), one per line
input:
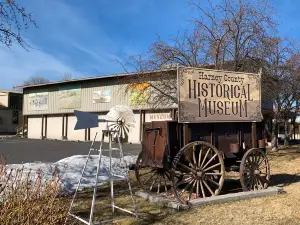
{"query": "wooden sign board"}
(218, 96)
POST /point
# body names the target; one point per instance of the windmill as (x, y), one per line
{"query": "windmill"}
(121, 119)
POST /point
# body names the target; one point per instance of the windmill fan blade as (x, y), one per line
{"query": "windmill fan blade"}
(124, 120)
(120, 111)
(131, 125)
(126, 128)
(85, 120)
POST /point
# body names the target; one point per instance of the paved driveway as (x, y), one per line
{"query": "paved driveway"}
(27, 150)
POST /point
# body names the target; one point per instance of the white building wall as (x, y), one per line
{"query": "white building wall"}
(84, 99)
(54, 127)
(74, 135)
(4, 99)
(134, 134)
(93, 131)
(34, 127)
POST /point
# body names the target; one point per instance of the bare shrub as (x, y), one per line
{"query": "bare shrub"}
(28, 198)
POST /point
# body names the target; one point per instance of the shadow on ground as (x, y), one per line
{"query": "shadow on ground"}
(284, 179)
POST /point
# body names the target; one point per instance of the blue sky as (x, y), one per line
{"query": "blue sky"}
(86, 38)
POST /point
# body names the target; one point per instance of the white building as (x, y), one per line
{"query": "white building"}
(48, 108)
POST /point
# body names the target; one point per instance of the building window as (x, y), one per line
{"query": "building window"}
(15, 119)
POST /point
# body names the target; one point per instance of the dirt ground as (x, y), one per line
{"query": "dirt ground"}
(279, 209)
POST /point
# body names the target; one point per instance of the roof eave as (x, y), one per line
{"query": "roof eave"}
(97, 77)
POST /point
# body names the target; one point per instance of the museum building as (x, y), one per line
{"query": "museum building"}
(48, 109)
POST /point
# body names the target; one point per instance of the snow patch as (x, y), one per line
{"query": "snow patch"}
(70, 169)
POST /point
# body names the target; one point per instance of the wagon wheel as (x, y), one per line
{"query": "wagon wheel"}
(202, 171)
(152, 178)
(254, 170)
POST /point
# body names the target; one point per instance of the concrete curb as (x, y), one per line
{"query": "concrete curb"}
(7, 136)
(235, 197)
(220, 199)
(161, 201)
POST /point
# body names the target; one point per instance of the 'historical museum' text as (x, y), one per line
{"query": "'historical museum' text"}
(220, 98)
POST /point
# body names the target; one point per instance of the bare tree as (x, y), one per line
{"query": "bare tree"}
(66, 77)
(234, 30)
(292, 98)
(35, 80)
(13, 19)
(227, 35)
(281, 60)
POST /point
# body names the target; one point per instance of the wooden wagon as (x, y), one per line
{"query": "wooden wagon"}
(219, 128)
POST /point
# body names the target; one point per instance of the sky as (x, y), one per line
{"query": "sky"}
(92, 38)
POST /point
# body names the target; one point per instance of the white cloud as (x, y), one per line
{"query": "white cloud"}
(17, 64)
(68, 39)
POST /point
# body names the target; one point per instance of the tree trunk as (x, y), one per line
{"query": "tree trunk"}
(286, 133)
(274, 142)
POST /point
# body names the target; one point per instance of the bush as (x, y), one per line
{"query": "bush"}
(27, 198)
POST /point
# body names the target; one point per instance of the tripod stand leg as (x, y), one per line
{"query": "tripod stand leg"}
(96, 182)
(77, 187)
(110, 174)
(112, 197)
(127, 177)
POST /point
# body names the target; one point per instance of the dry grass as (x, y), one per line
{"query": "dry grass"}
(148, 213)
(279, 209)
(26, 199)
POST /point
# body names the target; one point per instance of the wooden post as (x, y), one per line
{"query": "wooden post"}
(141, 125)
(143, 116)
(45, 134)
(42, 130)
(23, 126)
(254, 137)
(63, 127)
(66, 136)
(173, 113)
(185, 134)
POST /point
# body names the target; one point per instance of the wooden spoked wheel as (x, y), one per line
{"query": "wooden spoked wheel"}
(152, 179)
(254, 170)
(200, 167)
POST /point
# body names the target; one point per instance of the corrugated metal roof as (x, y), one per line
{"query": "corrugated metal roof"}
(97, 77)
